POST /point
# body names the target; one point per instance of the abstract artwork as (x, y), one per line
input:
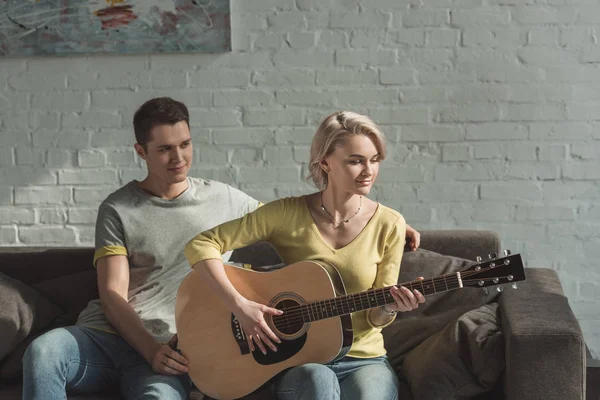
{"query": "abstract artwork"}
(63, 27)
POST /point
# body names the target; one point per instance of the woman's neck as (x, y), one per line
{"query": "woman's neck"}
(340, 204)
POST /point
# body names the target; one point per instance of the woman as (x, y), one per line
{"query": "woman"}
(337, 225)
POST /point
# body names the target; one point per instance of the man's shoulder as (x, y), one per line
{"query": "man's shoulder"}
(122, 195)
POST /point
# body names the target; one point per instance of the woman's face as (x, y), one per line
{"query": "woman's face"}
(353, 165)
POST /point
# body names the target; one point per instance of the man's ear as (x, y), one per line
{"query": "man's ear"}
(139, 149)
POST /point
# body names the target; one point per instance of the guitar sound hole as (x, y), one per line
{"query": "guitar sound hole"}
(291, 321)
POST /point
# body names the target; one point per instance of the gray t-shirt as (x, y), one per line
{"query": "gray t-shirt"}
(152, 233)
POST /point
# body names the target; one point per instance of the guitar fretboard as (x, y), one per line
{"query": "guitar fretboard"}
(351, 303)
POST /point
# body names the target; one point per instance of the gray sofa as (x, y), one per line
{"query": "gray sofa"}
(518, 344)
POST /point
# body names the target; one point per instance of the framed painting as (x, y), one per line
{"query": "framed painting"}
(66, 27)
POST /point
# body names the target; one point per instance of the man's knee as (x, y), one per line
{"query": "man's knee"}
(162, 387)
(50, 346)
(308, 380)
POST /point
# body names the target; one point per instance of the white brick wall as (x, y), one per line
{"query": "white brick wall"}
(492, 109)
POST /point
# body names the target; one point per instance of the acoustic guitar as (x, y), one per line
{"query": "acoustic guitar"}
(314, 328)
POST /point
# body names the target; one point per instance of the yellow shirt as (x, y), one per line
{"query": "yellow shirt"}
(371, 260)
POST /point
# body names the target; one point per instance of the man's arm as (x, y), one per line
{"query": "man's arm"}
(113, 285)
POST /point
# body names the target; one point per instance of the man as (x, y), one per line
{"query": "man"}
(126, 338)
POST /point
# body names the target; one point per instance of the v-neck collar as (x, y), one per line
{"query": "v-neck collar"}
(322, 239)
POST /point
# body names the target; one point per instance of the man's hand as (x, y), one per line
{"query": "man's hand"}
(165, 360)
(413, 238)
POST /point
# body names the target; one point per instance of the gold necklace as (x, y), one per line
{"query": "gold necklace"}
(345, 221)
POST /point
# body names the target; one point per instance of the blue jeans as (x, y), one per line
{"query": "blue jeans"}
(347, 379)
(85, 360)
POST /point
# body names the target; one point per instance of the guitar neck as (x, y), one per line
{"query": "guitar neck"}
(373, 298)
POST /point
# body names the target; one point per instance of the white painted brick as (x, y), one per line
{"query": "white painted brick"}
(424, 94)
(401, 193)
(121, 157)
(340, 76)
(349, 98)
(7, 158)
(544, 15)
(57, 101)
(113, 137)
(478, 112)
(128, 174)
(444, 75)
(495, 131)
(454, 191)
(301, 154)
(522, 92)
(245, 156)
(286, 21)
(58, 158)
(431, 58)
(560, 131)
(49, 80)
(400, 115)
(280, 174)
(44, 120)
(269, 41)
(91, 158)
(576, 36)
(368, 38)
(85, 234)
(366, 19)
(492, 211)
(494, 16)
(87, 176)
(26, 175)
(468, 93)
(421, 17)
(96, 119)
(262, 5)
(42, 195)
(302, 58)
(249, 20)
(299, 135)
(191, 98)
(456, 152)
(83, 215)
(243, 136)
(583, 111)
(218, 117)
(543, 36)
(358, 57)
(219, 79)
(8, 235)
(209, 155)
(316, 97)
(590, 55)
(501, 191)
(92, 195)
(397, 76)
(30, 156)
(544, 213)
(279, 156)
(169, 80)
(532, 171)
(585, 151)
(580, 191)
(14, 215)
(332, 39)
(581, 170)
(474, 171)
(415, 213)
(233, 98)
(52, 216)
(443, 37)
(13, 101)
(494, 38)
(274, 117)
(241, 40)
(509, 73)
(61, 139)
(432, 133)
(389, 173)
(284, 78)
(543, 56)
(552, 152)
(506, 151)
(47, 235)
(16, 123)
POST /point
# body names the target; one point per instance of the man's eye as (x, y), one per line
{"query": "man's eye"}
(185, 145)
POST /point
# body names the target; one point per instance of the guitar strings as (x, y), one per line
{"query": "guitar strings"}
(294, 315)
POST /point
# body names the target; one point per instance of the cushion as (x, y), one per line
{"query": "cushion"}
(456, 329)
(464, 359)
(23, 312)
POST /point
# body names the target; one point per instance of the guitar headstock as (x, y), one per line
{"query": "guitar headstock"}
(495, 271)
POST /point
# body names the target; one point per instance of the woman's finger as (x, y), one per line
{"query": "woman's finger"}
(400, 302)
(410, 296)
(250, 341)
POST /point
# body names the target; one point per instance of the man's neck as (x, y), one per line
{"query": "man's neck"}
(161, 189)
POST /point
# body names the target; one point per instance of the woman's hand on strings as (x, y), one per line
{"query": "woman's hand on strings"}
(251, 316)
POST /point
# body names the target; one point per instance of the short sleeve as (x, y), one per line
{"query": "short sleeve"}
(110, 238)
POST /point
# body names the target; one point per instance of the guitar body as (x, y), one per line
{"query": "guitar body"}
(220, 362)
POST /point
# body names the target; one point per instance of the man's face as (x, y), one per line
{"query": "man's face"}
(169, 153)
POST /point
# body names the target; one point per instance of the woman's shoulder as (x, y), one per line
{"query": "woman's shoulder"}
(389, 216)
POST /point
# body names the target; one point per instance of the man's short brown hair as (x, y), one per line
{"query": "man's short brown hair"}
(157, 111)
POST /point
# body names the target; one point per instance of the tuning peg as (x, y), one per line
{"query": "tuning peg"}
(507, 252)
(514, 285)
(478, 259)
(500, 289)
(492, 256)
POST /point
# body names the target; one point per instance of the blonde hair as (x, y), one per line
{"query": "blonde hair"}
(332, 132)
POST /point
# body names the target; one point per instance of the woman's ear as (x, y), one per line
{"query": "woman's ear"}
(324, 165)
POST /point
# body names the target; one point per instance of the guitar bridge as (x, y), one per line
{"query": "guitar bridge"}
(238, 334)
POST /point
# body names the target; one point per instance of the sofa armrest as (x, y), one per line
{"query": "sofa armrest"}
(545, 349)
(461, 243)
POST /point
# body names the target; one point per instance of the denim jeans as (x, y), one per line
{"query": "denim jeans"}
(347, 379)
(84, 360)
